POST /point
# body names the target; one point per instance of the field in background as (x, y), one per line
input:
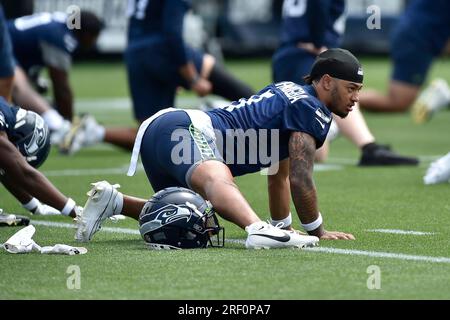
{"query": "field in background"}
(352, 199)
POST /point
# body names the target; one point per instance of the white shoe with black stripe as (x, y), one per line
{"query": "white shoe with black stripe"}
(262, 235)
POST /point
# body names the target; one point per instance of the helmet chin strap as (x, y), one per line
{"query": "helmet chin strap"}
(194, 207)
(31, 158)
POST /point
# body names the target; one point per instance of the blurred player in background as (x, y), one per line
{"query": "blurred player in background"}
(308, 28)
(158, 63)
(45, 40)
(24, 146)
(17, 8)
(420, 37)
(6, 59)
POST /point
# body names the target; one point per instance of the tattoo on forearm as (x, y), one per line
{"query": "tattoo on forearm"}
(302, 150)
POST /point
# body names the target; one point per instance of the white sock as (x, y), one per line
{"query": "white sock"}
(118, 205)
(53, 119)
(95, 134)
(100, 133)
(283, 223)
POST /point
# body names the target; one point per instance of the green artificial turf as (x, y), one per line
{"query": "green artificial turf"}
(351, 199)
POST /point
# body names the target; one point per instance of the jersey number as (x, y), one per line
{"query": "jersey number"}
(253, 99)
(32, 21)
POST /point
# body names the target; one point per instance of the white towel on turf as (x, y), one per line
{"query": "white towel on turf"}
(63, 249)
(22, 242)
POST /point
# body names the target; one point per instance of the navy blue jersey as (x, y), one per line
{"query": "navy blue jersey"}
(321, 22)
(42, 39)
(280, 108)
(7, 116)
(6, 56)
(159, 23)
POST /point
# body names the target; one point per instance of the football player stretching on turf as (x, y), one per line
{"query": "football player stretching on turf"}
(44, 40)
(287, 120)
(420, 36)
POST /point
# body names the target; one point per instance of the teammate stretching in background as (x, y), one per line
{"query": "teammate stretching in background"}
(420, 37)
(45, 40)
(158, 62)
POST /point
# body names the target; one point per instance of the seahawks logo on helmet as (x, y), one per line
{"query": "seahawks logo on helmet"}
(166, 215)
(30, 135)
(38, 137)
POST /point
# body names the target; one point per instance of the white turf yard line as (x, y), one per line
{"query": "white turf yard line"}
(123, 170)
(83, 172)
(405, 232)
(327, 167)
(89, 172)
(424, 160)
(124, 103)
(372, 254)
(334, 164)
(375, 254)
(87, 105)
(73, 226)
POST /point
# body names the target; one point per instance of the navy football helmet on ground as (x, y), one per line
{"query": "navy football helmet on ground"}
(31, 137)
(179, 218)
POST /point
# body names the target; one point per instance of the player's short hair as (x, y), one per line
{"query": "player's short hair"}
(90, 23)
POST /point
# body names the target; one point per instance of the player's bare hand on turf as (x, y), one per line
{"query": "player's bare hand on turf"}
(202, 87)
(336, 235)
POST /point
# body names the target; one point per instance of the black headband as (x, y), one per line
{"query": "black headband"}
(338, 63)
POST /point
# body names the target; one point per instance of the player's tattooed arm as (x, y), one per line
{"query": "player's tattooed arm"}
(302, 149)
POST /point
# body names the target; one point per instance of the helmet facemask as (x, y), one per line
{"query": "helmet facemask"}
(216, 233)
